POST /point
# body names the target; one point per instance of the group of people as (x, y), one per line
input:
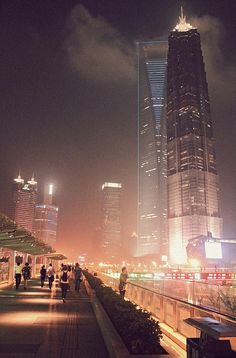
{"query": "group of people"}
(47, 273)
(24, 271)
(65, 275)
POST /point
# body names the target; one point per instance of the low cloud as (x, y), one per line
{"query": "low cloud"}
(221, 77)
(96, 50)
(221, 73)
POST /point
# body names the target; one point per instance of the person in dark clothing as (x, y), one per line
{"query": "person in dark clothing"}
(123, 281)
(78, 276)
(18, 271)
(43, 273)
(26, 271)
(64, 282)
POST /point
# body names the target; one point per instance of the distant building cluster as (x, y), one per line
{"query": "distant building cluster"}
(178, 189)
(38, 218)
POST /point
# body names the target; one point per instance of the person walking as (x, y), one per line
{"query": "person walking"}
(78, 276)
(50, 274)
(123, 281)
(64, 282)
(26, 272)
(43, 273)
(18, 271)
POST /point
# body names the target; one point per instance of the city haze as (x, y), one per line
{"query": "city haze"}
(68, 101)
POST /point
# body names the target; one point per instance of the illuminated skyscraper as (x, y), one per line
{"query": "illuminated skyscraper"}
(24, 201)
(193, 193)
(111, 221)
(152, 205)
(46, 215)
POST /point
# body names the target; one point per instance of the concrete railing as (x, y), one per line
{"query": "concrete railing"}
(168, 310)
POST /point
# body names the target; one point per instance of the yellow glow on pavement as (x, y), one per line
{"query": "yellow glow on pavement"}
(45, 301)
(27, 293)
(25, 318)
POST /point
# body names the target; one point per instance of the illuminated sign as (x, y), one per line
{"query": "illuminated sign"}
(213, 250)
(200, 276)
(218, 276)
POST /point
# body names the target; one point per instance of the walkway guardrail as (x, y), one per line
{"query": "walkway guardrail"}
(173, 301)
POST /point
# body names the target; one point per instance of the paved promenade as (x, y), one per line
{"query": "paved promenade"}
(36, 323)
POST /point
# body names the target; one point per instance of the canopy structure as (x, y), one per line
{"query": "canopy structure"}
(23, 241)
(56, 256)
(19, 239)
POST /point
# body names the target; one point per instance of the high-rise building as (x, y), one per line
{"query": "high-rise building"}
(193, 191)
(152, 199)
(111, 221)
(45, 221)
(24, 201)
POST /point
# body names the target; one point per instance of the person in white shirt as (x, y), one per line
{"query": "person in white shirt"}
(64, 282)
(18, 271)
(50, 274)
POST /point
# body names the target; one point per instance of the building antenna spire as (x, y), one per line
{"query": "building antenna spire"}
(182, 13)
(182, 26)
(32, 181)
(19, 179)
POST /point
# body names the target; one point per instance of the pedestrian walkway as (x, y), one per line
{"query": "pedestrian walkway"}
(36, 323)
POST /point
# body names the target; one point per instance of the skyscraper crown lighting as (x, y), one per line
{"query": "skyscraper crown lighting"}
(32, 181)
(183, 26)
(111, 185)
(19, 179)
(50, 189)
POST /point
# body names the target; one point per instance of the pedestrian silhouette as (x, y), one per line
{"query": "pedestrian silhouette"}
(18, 271)
(50, 274)
(26, 271)
(43, 273)
(64, 282)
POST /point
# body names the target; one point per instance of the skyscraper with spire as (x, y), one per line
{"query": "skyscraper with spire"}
(193, 191)
(152, 206)
(24, 199)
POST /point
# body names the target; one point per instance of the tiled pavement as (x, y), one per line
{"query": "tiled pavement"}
(36, 323)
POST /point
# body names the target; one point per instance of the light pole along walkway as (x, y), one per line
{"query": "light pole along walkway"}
(36, 323)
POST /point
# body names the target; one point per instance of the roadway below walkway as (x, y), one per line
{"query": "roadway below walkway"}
(36, 323)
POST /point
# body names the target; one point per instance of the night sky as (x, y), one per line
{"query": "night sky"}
(68, 103)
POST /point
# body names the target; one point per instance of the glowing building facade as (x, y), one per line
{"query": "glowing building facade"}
(111, 221)
(24, 201)
(152, 202)
(193, 192)
(45, 221)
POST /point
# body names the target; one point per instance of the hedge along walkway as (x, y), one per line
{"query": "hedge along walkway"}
(35, 323)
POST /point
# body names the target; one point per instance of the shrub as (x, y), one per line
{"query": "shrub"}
(139, 331)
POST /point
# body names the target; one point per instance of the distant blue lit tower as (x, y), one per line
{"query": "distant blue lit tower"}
(45, 221)
(111, 221)
(152, 203)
